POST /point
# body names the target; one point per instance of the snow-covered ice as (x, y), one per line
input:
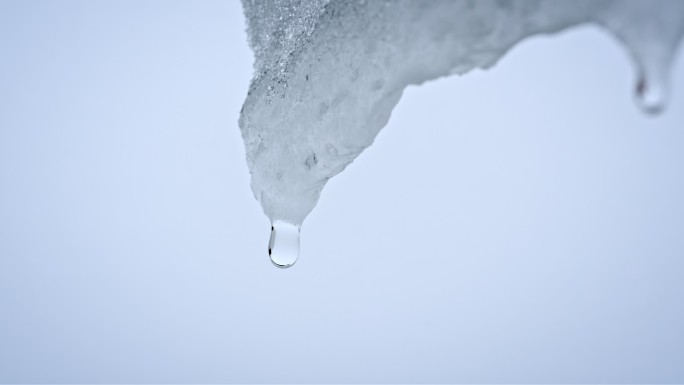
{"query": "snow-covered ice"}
(329, 72)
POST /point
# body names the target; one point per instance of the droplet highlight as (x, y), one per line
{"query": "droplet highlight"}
(283, 247)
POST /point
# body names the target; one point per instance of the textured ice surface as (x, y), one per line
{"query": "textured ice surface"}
(329, 72)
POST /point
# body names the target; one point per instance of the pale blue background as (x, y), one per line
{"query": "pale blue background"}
(524, 224)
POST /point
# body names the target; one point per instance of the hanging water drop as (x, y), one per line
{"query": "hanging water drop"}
(652, 48)
(283, 247)
(651, 94)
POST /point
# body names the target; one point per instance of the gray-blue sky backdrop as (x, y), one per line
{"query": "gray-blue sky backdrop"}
(523, 224)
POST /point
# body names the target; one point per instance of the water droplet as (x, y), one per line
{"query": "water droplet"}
(651, 94)
(283, 247)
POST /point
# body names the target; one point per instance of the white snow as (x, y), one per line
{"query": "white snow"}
(329, 73)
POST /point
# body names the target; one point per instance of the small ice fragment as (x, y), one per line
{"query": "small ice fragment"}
(651, 32)
(283, 247)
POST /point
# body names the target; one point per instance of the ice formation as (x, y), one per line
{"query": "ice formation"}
(329, 72)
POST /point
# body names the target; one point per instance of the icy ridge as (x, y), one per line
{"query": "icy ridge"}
(329, 72)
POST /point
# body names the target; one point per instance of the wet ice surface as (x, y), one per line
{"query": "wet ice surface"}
(329, 73)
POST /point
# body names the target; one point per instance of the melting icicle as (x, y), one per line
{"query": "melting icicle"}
(329, 72)
(283, 247)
